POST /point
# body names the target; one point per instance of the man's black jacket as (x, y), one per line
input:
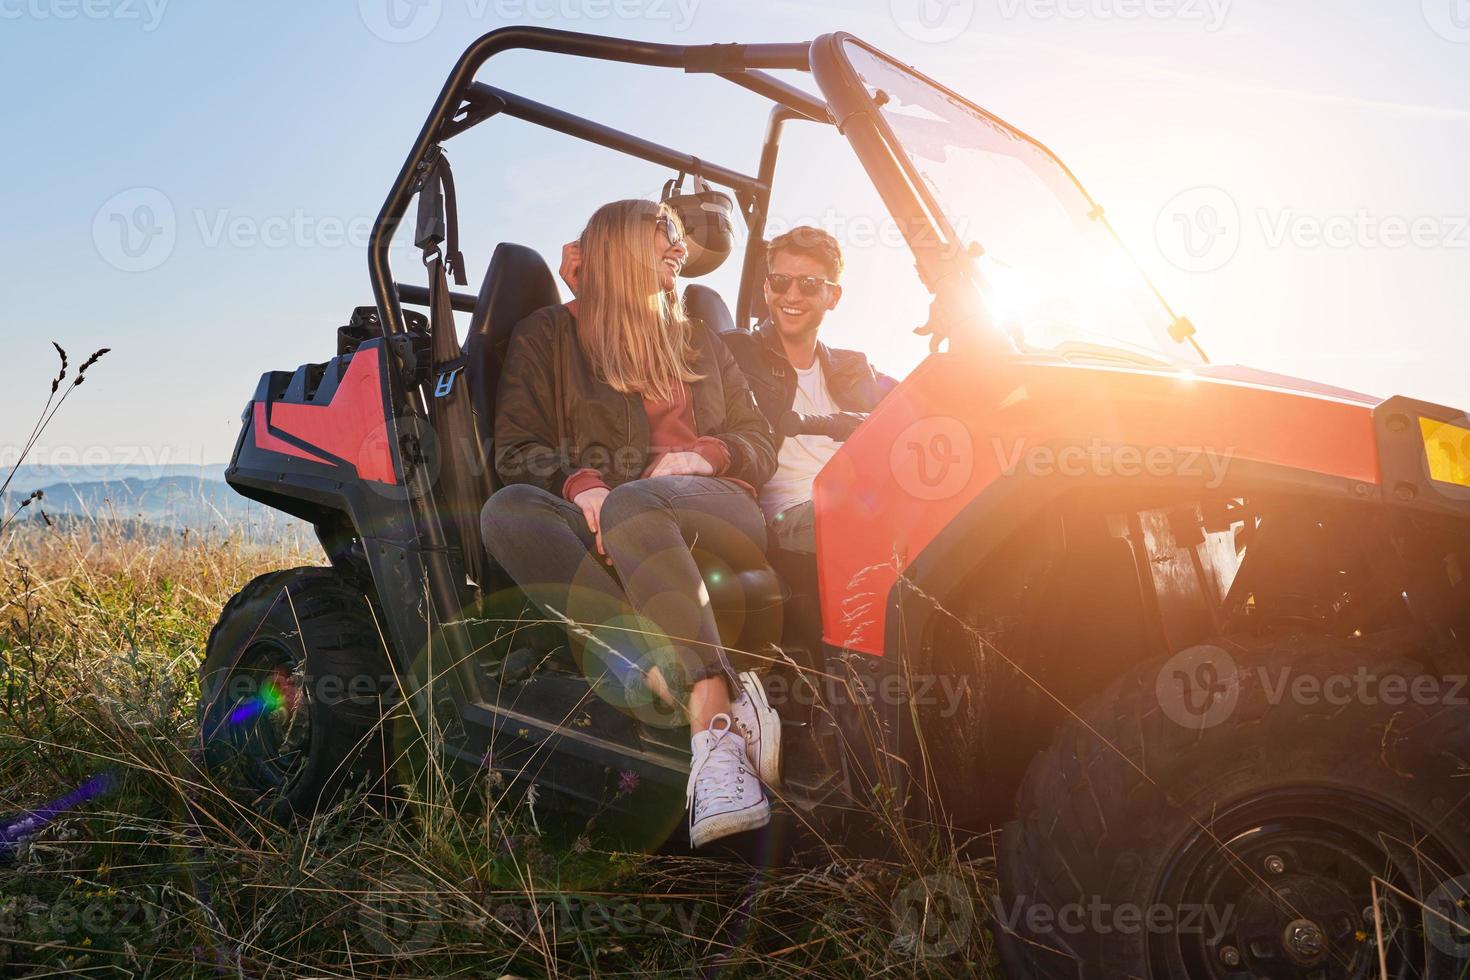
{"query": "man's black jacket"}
(854, 384)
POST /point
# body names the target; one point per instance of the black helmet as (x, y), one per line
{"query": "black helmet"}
(707, 216)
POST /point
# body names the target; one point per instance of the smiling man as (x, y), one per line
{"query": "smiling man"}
(788, 369)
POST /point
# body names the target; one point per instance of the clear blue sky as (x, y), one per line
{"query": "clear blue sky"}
(1312, 137)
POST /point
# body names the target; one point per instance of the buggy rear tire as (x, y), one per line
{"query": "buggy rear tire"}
(293, 689)
(1237, 837)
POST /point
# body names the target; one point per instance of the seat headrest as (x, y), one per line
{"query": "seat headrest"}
(758, 310)
(703, 303)
(517, 283)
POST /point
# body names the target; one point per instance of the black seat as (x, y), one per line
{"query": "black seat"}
(749, 604)
(517, 284)
(703, 303)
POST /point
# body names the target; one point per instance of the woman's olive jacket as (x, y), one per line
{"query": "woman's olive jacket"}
(553, 416)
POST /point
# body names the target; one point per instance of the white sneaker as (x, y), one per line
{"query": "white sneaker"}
(724, 794)
(755, 721)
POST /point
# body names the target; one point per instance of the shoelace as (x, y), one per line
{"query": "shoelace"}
(712, 781)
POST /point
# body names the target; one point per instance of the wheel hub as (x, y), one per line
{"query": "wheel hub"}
(273, 719)
(1304, 942)
(1292, 923)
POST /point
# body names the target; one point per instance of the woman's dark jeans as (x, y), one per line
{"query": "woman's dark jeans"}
(656, 612)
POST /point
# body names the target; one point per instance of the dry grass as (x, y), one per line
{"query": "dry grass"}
(122, 858)
(162, 876)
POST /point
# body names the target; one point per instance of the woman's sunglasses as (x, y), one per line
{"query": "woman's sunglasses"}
(671, 231)
(809, 285)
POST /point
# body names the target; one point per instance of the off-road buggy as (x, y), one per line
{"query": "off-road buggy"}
(1192, 635)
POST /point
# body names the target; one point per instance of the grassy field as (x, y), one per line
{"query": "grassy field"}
(145, 869)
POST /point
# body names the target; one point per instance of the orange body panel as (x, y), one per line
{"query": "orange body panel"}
(956, 426)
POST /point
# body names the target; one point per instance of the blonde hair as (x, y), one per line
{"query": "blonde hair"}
(635, 333)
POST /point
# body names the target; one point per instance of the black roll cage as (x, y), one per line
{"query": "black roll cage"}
(464, 103)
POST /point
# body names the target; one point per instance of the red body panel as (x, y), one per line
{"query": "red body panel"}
(957, 426)
(265, 440)
(351, 426)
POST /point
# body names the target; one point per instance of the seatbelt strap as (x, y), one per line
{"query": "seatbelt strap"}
(438, 217)
(449, 408)
(454, 258)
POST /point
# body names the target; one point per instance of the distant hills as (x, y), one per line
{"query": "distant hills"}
(30, 477)
(150, 501)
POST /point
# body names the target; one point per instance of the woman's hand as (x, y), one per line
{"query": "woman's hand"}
(681, 464)
(571, 265)
(590, 500)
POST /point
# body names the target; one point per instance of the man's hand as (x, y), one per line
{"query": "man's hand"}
(571, 265)
(591, 500)
(681, 464)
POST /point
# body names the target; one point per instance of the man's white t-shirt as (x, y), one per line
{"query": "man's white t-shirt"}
(801, 457)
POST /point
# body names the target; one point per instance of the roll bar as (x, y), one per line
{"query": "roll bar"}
(463, 103)
(488, 100)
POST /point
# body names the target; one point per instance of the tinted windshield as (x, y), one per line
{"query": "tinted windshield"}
(1056, 275)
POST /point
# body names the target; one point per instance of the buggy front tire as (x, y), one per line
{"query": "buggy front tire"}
(293, 690)
(1230, 815)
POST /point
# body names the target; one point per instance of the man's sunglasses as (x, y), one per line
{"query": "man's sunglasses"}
(809, 285)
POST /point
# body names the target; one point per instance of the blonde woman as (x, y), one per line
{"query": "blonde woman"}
(624, 432)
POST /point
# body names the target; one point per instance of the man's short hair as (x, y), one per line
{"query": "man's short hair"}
(809, 242)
